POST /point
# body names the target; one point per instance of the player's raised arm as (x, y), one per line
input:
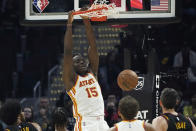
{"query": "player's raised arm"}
(92, 51)
(68, 72)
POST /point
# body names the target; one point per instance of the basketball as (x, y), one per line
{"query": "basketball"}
(127, 80)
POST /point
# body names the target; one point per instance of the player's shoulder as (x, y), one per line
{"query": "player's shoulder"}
(119, 123)
(160, 120)
(94, 74)
(130, 121)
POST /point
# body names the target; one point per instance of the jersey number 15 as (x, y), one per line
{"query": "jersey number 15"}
(92, 92)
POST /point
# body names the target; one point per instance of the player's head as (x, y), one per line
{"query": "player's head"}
(168, 98)
(59, 117)
(128, 108)
(10, 112)
(80, 65)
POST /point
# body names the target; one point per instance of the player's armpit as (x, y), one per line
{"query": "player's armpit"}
(149, 127)
(160, 124)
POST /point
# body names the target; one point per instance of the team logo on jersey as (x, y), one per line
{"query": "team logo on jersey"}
(140, 83)
(40, 4)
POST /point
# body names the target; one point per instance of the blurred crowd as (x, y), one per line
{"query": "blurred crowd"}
(166, 49)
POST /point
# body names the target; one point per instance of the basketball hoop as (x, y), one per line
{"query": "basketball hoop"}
(103, 18)
(99, 11)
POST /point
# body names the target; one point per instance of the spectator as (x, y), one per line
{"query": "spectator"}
(11, 114)
(28, 116)
(185, 58)
(43, 114)
(44, 103)
(181, 103)
(112, 98)
(43, 120)
(111, 114)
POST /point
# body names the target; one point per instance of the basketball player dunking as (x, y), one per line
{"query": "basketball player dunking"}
(80, 79)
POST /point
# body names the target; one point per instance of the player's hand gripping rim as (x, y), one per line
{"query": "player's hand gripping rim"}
(70, 17)
(83, 9)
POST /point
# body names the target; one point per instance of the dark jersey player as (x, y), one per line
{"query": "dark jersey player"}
(170, 120)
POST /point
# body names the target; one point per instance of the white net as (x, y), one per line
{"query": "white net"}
(105, 9)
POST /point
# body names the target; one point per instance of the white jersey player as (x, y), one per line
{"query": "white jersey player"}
(132, 125)
(80, 79)
(128, 109)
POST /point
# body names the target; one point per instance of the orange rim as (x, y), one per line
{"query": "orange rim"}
(87, 11)
(103, 18)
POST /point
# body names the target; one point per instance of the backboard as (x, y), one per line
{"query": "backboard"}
(130, 11)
